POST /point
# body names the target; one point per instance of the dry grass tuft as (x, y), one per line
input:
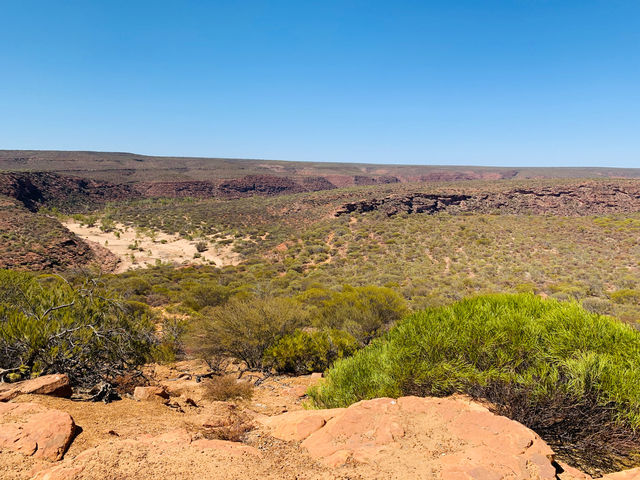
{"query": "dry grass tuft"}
(225, 388)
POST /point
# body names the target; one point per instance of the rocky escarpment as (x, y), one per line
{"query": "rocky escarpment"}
(35, 189)
(380, 180)
(265, 185)
(70, 193)
(271, 185)
(567, 200)
(456, 176)
(314, 184)
(573, 200)
(415, 203)
(177, 189)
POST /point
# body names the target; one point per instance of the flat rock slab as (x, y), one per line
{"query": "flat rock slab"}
(169, 453)
(55, 385)
(632, 474)
(32, 429)
(443, 438)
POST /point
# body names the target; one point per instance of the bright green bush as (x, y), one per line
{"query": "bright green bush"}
(48, 326)
(551, 365)
(304, 352)
(540, 345)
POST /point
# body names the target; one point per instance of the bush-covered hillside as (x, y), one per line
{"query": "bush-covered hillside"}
(33, 241)
(571, 375)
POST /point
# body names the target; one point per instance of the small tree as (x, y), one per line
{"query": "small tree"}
(245, 329)
(210, 294)
(364, 312)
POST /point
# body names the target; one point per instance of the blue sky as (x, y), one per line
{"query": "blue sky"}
(512, 82)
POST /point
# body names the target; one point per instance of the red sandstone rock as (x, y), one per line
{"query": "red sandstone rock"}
(452, 437)
(32, 429)
(173, 443)
(54, 385)
(632, 474)
(232, 448)
(298, 425)
(155, 393)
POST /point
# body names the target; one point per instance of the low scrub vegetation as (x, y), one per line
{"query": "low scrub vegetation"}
(291, 244)
(571, 375)
(300, 334)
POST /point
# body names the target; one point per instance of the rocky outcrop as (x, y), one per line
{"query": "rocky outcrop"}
(314, 184)
(269, 185)
(631, 474)
(416, 203)
(406, 438)
(32, 241)
(153, 393)
(450, 437)
(566, 200)
(37, 189)
(32, 429)
(260, 185)
(54, 385)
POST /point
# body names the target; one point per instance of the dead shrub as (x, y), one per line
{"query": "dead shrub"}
(580, 431)
(126, 383)
(225, 388)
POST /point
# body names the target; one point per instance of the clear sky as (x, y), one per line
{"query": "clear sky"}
(511, 82)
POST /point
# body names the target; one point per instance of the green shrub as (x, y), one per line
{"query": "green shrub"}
(170, 345)
(364, 312)
(134, 286)
(246, 328)
(626, 295)
(571, 375)
(48, 326)
(209, 294)
(596, 305)
(107, 224)
(304, 352)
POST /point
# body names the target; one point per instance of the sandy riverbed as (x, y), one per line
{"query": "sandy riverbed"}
(151, 249)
